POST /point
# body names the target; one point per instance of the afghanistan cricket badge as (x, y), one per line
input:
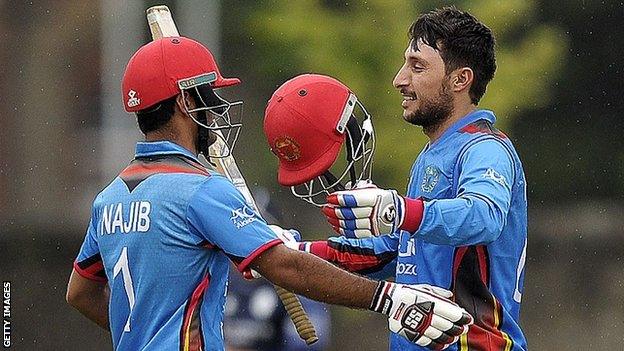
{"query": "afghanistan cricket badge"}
(431, 178)
(287, 149)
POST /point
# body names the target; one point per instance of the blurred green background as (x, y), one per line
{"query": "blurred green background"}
(557, 94)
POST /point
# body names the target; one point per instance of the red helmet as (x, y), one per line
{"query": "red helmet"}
(161, 69)
(307, 121)
(164, 68)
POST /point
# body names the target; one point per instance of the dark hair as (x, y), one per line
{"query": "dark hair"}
(155, 117)
(462, 41)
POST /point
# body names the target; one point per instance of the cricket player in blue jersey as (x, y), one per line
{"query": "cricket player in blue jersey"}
(153, 266)
(463, 223)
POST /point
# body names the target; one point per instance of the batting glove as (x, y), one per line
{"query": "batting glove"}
(370, 211)
(422, 314)
(290, 238)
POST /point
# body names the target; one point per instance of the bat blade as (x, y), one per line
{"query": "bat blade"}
(161, 23)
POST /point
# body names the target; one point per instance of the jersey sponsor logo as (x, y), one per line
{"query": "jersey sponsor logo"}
(431, 178)
(490, 173)
(242, 216)
(409, 249)
(133, 100)
(115, 219)
(406, 268)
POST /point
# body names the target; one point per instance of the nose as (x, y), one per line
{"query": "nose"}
(401, 79)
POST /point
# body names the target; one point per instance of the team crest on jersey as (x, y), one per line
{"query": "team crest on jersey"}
(431, 178)
(242, 216)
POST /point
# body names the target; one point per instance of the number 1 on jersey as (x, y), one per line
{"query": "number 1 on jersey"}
(122, 266)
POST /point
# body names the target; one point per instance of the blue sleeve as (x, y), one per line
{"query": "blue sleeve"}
(374, 257)
(218, 213)
(89, 261)
(479, 212)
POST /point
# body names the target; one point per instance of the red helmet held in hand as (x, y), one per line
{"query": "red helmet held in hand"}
(307, 121)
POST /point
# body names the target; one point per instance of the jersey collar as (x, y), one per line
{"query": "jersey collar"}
(153, 148)
(464, 121)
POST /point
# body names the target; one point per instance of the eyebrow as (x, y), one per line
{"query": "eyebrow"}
(412, 56)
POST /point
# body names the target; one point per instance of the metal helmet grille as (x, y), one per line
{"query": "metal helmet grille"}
(224, 117)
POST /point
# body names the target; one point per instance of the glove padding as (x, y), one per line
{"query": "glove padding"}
(290, 238)
(365, 212)
(422, 314)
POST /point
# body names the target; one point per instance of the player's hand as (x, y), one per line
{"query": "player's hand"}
(364, 212)
(422, 314)
(290, 238)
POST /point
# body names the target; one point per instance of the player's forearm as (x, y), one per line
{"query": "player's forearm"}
(90, 299)
(314, 278)
(94, 308)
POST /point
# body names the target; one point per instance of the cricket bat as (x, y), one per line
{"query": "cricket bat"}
(162, 25)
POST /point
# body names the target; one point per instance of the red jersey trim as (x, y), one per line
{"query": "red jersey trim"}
(243, 265)
(191, 336)
(88, 275)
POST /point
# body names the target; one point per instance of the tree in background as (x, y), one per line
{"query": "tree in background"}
(362, 44)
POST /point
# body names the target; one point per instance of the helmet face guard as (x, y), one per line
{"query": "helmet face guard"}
(359, 148)
(219, 120)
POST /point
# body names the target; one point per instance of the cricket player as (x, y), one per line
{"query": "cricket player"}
(153, 266)
(463, 223)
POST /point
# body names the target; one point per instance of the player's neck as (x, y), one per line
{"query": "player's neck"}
(435, 132)
(186, 141)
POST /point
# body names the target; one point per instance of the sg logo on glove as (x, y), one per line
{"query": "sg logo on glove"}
(388, 215)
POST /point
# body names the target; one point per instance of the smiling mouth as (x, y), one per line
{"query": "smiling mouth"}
(408, 96)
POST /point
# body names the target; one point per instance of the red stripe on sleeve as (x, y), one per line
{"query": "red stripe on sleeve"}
(90, 273)
(243, 265)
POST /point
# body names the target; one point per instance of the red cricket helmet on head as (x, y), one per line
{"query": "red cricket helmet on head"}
(169, 66)
(307, 121)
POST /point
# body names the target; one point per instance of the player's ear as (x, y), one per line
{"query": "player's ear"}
(184, 102)
(461, 79)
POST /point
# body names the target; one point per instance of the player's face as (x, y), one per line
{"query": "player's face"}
(423, 83)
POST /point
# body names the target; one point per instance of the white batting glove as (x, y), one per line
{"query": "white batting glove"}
(290, 238)
(365, 212)
(422, 314)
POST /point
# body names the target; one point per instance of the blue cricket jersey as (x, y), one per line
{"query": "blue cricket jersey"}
(472, 238)
(161, 235)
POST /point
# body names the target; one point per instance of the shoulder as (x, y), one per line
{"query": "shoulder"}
(481, 128)
(215, 190)
(482, 137)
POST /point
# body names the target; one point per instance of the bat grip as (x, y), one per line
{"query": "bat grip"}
(298, 315)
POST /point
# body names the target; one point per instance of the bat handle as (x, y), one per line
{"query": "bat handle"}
(298, 315)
